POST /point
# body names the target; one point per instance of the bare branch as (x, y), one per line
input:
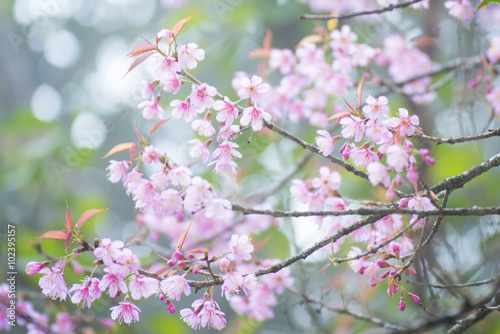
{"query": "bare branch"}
(491, 133)
(367, 12)
(459, 285)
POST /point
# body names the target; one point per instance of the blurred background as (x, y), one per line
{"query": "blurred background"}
(65, 102)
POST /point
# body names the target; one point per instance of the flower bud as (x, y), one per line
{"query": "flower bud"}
(171, 263)
(402, 304)
(382, 264)
(170, 306)
(178, 255)
(414, 297)
(224, 264)
(32, 268)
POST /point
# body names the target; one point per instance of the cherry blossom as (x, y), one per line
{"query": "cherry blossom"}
(241, 247)
(114, 280)
(256, 116)
(52, 283)
(282, 59)
(376, 106)
(86, 292)
(353, 126)
(174, 286)
(117, 170)
(189, 55)
(199, 150)
(252, 89)
(461, 9)
(125, 312)
(151, 109)
(227, 111)
(109, 250)
(202, 96)
(183, 109)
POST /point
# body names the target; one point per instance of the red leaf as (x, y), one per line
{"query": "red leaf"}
(182, 238)
(56, 235)
(325, 267)
(160, 271)
(133, 152)
(178, 27)
(69, 221)
(310, 39)
(68, 240)
(196, 251)
(87, 215)
(348, 105)
(268, 40)
(156, 126)
(340, 115)
(119, 148)
(259, 53)
(138, 61)
(138, 133)
(141, 49)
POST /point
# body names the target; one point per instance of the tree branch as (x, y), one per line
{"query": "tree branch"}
(348, 16)
(491, 133)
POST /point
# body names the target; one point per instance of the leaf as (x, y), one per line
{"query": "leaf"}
(69, 221)
(196, 251)
(133, 152)
(348, 105)
(310, 39)
(339, 115)
(360, 91)
(138, 61)
(87, 215)
(182, 238)
(138, 133)
(56, 235)
(141, 49)
(259, 53)
(156, 126)
(68, 240)
(487, 2)
(176, 29)
(118, 148)
(268, 40)
(324, 268)
(332, 23)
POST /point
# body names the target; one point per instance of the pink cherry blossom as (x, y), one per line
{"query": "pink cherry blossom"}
(151, 109)
(147, 89)
(142, 286)
(52, 283)
(191, 318)
(256, 116)
(493, 52)
(167, 66)
(342, 39)
(125, 312)
(217, 207)
(204, 127)
(363, 156)
(493, 96)
(199, 149)
(128, 260)
(33, 267)
(150, 155)
(378, 173)
(282, 59)
(180, 176)
(202, 96)
(211, 315)
(86, 292)
(376, 106)
(397, 157)
(232, 283)
(168, 203)
(461, 9)
(252, 89)
(227, 111)
(117, 170)
(189, 55)
(171, 83)
(114, 280)
(108, 250)
(352, 126)
(241, 247)
(326, 142)
(404, 124)
(174, 286)
(327, 181)
(226, 151)
(183, 109)
(164, 33)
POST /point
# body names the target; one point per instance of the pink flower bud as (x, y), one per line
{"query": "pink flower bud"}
(32, 268)
(170, 306)
(411, 271)
(402, 304)
(385, 274)
(414, 297)
(162, 296)
(392, 290)
(178, 255)
(171, 263)
(382, 264)
(398, 180)
(390, 195)
(393, 272)
(196, 269)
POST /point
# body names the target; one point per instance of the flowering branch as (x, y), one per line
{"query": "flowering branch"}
(348, 16)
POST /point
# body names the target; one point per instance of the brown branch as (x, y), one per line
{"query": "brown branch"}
(474, 211)
(491, 133)
(458, 285)
(348, 16)
(460, 180)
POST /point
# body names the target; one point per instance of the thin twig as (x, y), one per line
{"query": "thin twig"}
(366, 12)
(458, 285)
(491, 133)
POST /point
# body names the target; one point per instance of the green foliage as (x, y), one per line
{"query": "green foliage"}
(486, 2)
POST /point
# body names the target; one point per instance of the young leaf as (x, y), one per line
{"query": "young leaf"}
(133, 152)
(310, 39)
(69, 221)
(339, 115)
(56, 235)
(182, 238)
(141, 49)
(138, 133)
(156, 126)
(360, 91)
(332, 23)
(176, 29)
(118, 148)
(138, 61)
(268, 40)
(324, 268)
(486, 2)
(87, 215)
(68, 240)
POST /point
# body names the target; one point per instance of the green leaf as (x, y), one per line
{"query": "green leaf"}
(487, 2)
